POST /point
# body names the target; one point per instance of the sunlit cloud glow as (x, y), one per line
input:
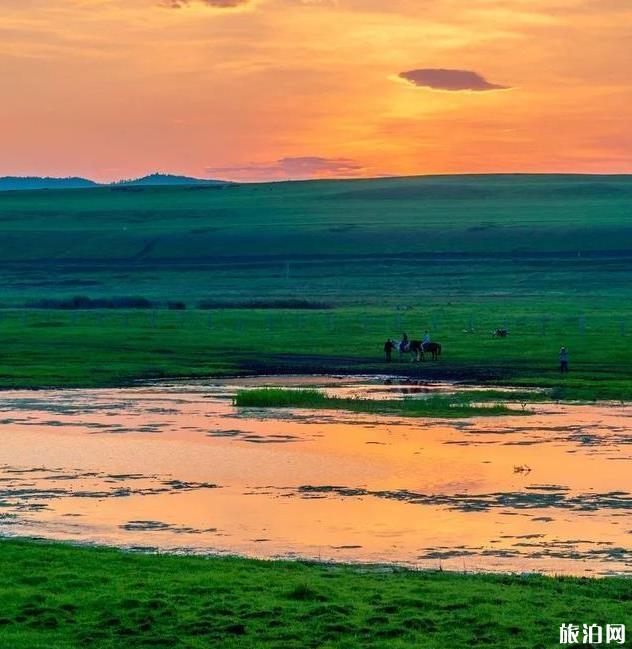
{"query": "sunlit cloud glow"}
(218, 4)
(293, 167)
(278, 89)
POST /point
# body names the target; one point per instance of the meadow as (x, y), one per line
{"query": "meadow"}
(546, 256)
(394, 241)
(65, 597)
(101, 347)
(221, 278)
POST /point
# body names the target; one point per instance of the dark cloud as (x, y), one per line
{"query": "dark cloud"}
(220, 4)
(294, 167)
(452, 80)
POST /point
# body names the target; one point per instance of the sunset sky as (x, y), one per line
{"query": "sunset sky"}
(275, 89)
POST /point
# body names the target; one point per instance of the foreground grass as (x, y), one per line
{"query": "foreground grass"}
(63, 597)
(448, 406)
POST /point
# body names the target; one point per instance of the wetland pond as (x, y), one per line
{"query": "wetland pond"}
(176, 467)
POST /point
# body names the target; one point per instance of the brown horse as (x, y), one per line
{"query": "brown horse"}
(418, 348)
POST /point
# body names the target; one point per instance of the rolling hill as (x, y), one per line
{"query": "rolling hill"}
(168, 180)
(381, 239)
(15, 183)
(24, 183)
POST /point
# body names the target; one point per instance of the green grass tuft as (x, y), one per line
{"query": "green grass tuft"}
(461, 404)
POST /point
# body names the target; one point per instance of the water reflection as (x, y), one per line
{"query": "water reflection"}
(176, 467)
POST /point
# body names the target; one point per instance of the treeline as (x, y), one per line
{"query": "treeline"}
(83, 302)
(133, 302)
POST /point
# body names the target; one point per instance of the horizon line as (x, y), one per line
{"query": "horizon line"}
(99, 183)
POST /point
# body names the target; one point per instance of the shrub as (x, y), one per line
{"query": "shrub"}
(83, 302)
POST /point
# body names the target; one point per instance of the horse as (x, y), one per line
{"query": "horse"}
(420, 348)
(417, 349)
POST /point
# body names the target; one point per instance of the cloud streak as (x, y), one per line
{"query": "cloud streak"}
(450, 80)
(294, 168)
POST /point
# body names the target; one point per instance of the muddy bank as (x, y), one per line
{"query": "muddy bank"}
(280, 364)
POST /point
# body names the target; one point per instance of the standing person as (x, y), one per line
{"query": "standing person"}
(389, 346)
(563, 360)
(403, 346)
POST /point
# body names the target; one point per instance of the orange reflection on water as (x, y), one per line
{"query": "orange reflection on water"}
(180, 469)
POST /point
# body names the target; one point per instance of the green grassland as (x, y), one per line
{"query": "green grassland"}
(63, 597)
(549, 257)
(48, 348)
(354, 241)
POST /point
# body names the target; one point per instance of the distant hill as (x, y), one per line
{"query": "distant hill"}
(13, 183)
(167, 179)
(8, 183)
(422, 241)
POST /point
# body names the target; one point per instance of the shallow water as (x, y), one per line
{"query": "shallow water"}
(177, 467)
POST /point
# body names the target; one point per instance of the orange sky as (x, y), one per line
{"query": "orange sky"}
(269, 89)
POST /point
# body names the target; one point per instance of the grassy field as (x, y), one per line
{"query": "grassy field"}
(548, 257)
(62, 597)
(461, 404)
(96, 348)
(352, 241)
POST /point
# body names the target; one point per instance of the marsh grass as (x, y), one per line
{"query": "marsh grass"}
(461, 404)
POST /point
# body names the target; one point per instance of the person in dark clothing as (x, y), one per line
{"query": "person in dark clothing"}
(389, 346)
(563, 360)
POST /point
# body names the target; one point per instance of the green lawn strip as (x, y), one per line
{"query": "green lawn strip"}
(57, 596)
(461, 404)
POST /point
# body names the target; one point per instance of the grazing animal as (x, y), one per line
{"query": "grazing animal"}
(418, 349)
(500, 333)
